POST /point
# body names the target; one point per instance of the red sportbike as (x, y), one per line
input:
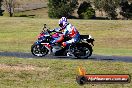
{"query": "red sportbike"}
(44, 45)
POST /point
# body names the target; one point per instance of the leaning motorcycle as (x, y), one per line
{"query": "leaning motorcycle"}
(44, 45)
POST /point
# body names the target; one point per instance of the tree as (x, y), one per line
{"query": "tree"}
(0, 7)
(59, 8)
(9, 5)
(98, 4)
(0, 4)
(1, 11)
(86, 11)
(109, 6)
(126, 9)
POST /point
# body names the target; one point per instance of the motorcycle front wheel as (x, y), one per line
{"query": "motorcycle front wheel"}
(39, 50)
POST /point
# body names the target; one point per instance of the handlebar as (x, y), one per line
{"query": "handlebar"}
(45, 28)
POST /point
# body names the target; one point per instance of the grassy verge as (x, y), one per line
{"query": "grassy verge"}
(44, 73)
(111, 37)
(39, 13)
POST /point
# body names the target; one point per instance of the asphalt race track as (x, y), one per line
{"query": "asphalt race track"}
(93, 57)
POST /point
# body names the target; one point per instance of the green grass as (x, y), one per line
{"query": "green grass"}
(18, 34)
(39, 13)
(44, 73)
(112, 37)
(112, 51)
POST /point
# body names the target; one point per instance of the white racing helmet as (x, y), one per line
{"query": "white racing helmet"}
(63, 22)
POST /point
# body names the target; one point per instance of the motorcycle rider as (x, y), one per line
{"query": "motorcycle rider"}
(70, 31)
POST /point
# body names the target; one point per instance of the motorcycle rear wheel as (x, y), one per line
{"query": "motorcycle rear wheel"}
(84, 51)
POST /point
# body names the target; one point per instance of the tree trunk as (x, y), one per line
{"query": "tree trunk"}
(11, 14)
(10, 10)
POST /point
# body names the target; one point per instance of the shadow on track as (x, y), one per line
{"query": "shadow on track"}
(93, 57)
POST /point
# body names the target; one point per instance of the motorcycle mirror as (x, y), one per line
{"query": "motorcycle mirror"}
(44, 25)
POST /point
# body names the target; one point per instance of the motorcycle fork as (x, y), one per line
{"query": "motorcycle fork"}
(47, 46)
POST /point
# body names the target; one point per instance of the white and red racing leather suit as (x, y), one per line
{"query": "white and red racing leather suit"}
(72, 33)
